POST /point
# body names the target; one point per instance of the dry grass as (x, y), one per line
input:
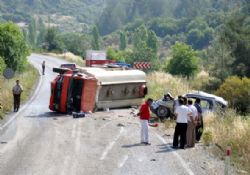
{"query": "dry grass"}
(231, 130)
(199, 81)
(69, 57)
(159, 83)
(27, 79)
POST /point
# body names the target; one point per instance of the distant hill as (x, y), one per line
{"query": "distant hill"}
(110, 15)
(83, 11)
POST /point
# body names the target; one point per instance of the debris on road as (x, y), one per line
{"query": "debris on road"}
(120, 125)
(153, 124)
(166, 135)
(78, 114)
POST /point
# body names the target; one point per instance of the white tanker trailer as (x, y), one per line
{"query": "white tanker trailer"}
(89, 89)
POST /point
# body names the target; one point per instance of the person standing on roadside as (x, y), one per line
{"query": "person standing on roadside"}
(17, 90)
(185, 100)
(144, 114)
(182, 113)
(191, 125)
(176, 102)
(199, 126)
(43, 67)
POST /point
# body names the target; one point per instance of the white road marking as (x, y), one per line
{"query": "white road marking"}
(103, 126)
(183, 163)
(125, 158)
(25, 105)
(111, 144)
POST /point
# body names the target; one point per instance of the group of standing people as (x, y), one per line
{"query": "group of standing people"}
(189, 123)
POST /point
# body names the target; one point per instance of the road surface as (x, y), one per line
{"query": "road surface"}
(36, 141)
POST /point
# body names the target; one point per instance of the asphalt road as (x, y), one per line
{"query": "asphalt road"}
(36, 141)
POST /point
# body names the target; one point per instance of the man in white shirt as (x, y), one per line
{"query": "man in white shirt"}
(190, 140)
(17, 90)
(176, 102)
(182, 113)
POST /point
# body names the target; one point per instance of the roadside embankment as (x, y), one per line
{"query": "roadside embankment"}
(27, 79)
(220, 130)
(160, 83)
(229, 129)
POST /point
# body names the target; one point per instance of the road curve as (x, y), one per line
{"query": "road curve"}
(38, 142)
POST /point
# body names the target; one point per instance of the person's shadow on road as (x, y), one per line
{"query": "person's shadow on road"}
(165, 148)
(48, 115)
(132, 145)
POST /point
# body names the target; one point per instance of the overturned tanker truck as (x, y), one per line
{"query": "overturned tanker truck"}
(90, 89)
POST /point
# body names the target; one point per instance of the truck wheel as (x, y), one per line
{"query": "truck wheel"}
(162, 112)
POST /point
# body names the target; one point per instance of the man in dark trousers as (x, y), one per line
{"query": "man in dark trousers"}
(182, 113)
(144, 118)
(43, 67)
(17, 90)
(199, 126)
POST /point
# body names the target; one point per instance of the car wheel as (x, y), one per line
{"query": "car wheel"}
(162, 112)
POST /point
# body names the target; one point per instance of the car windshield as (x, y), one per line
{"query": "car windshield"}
(206, 104)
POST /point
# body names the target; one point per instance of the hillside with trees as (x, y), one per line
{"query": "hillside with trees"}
(80, 11)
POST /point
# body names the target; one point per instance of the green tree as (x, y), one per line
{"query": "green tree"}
(220, 55)
(13, 48)
(184, 61)
(235, 33)
(123, 41)
(111, 54)
(199, 33)
(54, 42)
(140, 36)
(145, 46)
(42, 32)
(95, 39)
(152, 41)
(32, 32)
(76, 43)
(25, 35)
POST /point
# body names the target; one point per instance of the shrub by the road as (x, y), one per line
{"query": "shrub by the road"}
(237, 91)
(233, 130)
(28, 80)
